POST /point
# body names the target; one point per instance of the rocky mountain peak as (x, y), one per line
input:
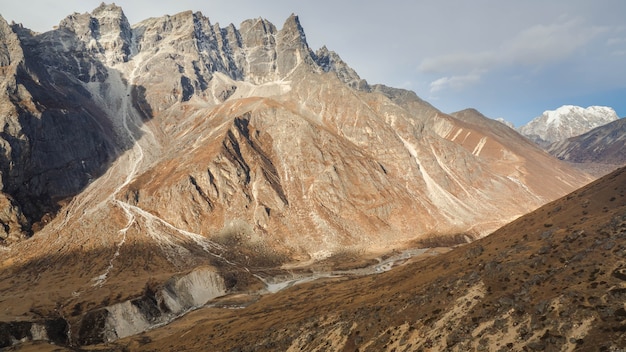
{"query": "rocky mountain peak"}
(470, 111)
(292, 25)
(258, 31)
(565, 122)
(330, 61)
(109, 10)
(105, 31)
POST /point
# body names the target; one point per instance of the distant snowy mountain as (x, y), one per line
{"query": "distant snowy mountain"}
(565, 122)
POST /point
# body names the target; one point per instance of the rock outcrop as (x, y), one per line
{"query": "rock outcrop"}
(157, 306)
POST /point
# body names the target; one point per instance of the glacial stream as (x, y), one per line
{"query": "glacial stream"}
(279, 283)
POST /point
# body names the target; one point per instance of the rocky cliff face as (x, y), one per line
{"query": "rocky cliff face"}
(565, 122)
(130, 152)
(55, 138)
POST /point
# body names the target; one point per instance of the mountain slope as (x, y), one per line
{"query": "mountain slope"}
(551, 280)
(55, 139)
(565, 122)
(186, 71)
(602, 145)
(221, 153)
(506, 148)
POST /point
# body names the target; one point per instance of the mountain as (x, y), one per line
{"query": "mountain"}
(553, 280)
(604, 145)
(565, 122)
(173, 161)
(507, 123)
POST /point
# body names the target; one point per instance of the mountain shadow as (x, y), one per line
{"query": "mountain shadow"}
(75, 313)
(60, 130)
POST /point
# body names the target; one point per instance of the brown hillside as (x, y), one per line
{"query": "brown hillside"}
(552, 280)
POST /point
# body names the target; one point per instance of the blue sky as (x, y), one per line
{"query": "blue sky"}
(509, 59)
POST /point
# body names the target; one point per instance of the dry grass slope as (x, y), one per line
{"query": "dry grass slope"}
(552, 280)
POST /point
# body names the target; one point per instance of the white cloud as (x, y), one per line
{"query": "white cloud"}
(535, 45)
(542, 44)
(532, 47)
(458, 62)
(455, 82)
(619, 53)
(615, 41)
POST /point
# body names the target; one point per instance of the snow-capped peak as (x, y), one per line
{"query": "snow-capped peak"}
(567, 121)
(593, 113)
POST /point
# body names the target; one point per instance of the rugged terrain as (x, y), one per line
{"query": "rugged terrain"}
(566, 122)
(602, 149)
(552, 280)
(166, 163)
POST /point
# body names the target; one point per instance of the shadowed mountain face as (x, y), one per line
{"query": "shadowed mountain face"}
(55, 138)
(551, 281)
(132, 154)
(603, 148)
